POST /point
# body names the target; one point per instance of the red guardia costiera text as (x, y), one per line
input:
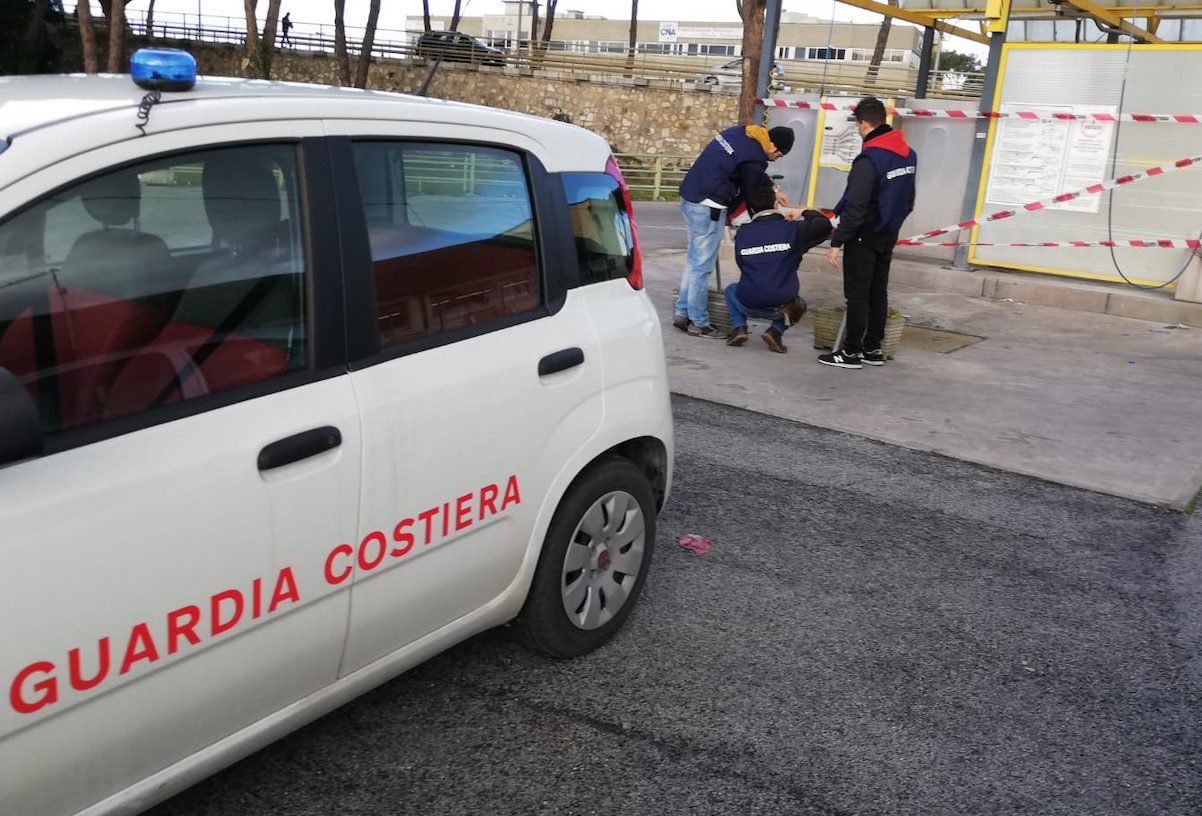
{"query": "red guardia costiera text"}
(43, 682)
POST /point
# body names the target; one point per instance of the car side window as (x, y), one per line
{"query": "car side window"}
(600, 226)
(156, 283)
(452, 236)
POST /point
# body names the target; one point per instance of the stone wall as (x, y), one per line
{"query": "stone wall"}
(635, 119)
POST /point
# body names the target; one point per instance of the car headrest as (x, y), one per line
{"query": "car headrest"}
(242, 199)
(114, 199)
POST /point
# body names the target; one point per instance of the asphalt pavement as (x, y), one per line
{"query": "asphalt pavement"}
(660, 225)
(876, 630)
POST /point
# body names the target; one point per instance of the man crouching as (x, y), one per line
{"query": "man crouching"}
(768, 251)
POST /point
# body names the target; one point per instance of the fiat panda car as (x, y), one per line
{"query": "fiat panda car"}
(299, 386)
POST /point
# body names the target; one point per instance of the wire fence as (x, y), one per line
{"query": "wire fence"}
(569, 60)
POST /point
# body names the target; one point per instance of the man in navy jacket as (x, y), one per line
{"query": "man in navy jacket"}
(768, 251)
(735, 161)
(879, 195)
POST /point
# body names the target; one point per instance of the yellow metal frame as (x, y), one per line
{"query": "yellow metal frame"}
(993, 126)
(916, 18)
(1020, 13)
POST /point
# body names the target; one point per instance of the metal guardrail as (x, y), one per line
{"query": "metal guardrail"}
(653, 176)
(569, 60)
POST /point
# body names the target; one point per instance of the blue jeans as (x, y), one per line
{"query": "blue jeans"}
(739, 313)
(705, 235)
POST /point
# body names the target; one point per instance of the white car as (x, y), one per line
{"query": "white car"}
(731, 74)
(299, 387)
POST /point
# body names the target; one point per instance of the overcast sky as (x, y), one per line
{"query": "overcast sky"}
(399, 14)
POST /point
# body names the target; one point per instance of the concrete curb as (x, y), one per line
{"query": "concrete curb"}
(1117, 300)
(1077, 296)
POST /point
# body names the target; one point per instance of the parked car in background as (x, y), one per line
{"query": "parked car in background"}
(453, 46)
(731, 73)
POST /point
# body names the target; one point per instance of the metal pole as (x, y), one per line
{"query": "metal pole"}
(924, 62)
(977, 160)
(767, 55)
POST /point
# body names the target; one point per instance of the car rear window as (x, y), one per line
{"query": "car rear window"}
(600, 227)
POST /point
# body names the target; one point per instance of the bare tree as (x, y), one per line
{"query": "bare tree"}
(340, 55)
(35, 36)
(87, 37)
(267, 44)
(426, 14)
(878, 53)
(250, 62)
(369, 40)
(752, 14)
(150, 21)
(533, 26)
(634, 32)
(550, 21)
(455, 16)
(116, 35)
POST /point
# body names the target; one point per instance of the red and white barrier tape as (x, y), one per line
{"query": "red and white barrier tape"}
(1093, 189)
(1170, 118)
(1145, 243)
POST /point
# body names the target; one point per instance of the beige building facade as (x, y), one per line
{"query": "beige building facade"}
(800, 38)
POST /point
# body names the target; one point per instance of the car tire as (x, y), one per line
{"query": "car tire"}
(570, 610)
(711, 80)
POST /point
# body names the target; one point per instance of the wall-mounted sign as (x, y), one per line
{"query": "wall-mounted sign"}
(668, 32)
(709, 33)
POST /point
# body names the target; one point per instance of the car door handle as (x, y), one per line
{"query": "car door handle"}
(560, 360)
(299, 446)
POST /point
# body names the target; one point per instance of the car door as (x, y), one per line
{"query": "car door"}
(477, 380)
(167, 307)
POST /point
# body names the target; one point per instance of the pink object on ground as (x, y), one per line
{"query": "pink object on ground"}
(695, 543)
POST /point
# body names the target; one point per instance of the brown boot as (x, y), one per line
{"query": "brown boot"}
(737, 336)
(772, 339)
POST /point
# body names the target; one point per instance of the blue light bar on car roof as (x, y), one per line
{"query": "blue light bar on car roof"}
(163, 69)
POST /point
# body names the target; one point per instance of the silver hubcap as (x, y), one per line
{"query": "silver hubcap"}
(603, 560)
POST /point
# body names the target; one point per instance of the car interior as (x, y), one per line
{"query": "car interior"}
(128, 319)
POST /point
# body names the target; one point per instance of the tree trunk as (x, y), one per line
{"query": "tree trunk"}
(340, 55)
(35, 39)
(267, 44)
(878, 53)
(455, 18)
(87, 38)
(752, 12)
(426, 14)
(534, 26)
(550, 21)
(633, 45)
(250, 63)
(116, 35)
(369, 40)
(150, 21)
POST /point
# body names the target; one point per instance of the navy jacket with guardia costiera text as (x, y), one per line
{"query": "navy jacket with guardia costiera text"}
(732, 163)
(768, 251)
(880, 190)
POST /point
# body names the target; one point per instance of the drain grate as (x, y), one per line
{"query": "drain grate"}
(936, 340)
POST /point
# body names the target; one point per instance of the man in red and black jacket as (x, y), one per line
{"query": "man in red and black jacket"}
(879, 196)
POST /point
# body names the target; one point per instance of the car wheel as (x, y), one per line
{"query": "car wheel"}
(594, 561)
(711, 80)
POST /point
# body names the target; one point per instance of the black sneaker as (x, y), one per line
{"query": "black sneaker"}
(738, 336)
(681, 322)
(772, 340)
(875, 357)
(709, 331)
(841, 359)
